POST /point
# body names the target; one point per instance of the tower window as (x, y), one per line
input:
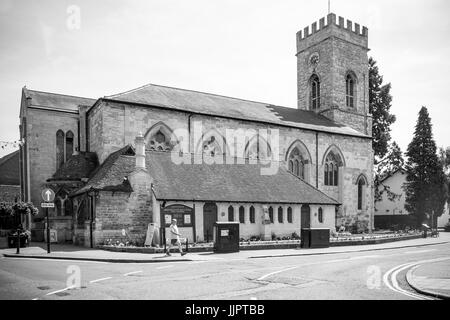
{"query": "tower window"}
(315, 92)
(350, 91)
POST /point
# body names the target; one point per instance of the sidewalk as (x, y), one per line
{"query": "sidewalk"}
(432, 279)
(70, 252)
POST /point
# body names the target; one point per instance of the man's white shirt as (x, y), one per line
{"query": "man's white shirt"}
(174, 232)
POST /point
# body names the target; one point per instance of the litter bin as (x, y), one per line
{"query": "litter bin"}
(315, 238)
(226, 237)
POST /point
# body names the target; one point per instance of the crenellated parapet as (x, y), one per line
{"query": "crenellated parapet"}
(330, 26)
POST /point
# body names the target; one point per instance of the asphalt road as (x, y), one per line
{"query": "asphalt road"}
(360, 275)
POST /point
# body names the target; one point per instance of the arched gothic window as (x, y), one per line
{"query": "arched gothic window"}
(252, 214)
(211, 147)
(69, 144)
(230, 213)
(280, 214)
(258, 148)
(297, 163)
(289, 215)
(350, 90)
(271, 214)
(160, 142)
(59, 148)
(361, 184)
(315, 92)
(241, 214)
(320, 215)
(331, 171)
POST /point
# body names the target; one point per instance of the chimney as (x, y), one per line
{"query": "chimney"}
(140, 151)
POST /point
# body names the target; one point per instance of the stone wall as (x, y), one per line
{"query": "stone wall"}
(356, 152)
(42, 126)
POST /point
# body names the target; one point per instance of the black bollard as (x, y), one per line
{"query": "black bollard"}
(18, 241)
(187, 245)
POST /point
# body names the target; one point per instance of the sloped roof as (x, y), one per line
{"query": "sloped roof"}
(77, 167)
(203, 182)
(217, 105)
(56, 101)
(9, 169)
(110, 175)
(228, 183)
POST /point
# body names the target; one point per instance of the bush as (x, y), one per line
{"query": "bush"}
(447, 227)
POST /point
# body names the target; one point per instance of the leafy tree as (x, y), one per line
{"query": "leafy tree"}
(425, 181)
(392, 162)
(380, 100)
(387, 155)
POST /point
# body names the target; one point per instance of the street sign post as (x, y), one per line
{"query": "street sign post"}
(48, 195)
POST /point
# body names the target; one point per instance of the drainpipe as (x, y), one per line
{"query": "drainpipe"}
(189, 132)
(317, 160)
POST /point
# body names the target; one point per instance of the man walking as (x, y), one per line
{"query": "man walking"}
(174, 238)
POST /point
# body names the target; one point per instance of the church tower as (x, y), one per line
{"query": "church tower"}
(333, 72)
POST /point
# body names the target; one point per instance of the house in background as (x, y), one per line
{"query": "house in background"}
(389, 213)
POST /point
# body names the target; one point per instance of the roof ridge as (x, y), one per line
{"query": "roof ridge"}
(310, 185)
(59, 94)
(195, 91)
(8, 156)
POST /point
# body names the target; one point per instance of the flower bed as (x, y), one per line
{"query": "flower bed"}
(336, 240)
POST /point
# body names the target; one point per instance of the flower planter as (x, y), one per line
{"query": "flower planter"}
(12, 241)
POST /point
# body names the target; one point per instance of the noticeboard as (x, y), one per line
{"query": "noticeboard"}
(183, 214)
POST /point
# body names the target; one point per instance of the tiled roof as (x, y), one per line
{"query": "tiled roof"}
(9, 169)
(57, 101)
(216, 105)
(110, 175)
(77, 167)
(228, 183)
(203, 182)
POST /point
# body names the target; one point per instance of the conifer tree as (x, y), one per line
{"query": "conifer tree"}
(425, 181)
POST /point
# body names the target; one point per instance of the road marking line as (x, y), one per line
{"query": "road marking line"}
(275, 272)
(165, 267)
(420, 251)
(399, 289)
(130, 273)
(58, 291)
(393, 272)
(364, 257)
(98, 280)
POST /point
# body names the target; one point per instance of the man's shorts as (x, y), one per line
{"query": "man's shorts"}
(174, 241)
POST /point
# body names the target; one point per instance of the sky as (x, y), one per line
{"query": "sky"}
(238, 48)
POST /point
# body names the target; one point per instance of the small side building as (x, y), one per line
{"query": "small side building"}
(9, 187)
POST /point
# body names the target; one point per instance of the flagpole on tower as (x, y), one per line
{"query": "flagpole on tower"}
(329, 7)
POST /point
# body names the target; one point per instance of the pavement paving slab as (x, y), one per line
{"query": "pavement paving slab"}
(431, 278)
(71, 252)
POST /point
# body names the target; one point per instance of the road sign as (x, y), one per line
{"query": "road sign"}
(48, 195)
(47, 205)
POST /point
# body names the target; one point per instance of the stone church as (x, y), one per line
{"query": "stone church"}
(119, 163)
